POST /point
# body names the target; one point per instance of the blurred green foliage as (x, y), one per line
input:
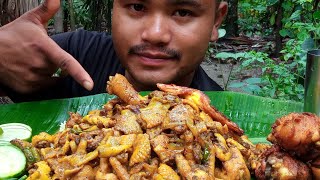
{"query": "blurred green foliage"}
(281, 77)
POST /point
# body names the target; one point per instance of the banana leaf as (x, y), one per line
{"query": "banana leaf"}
(253, 114)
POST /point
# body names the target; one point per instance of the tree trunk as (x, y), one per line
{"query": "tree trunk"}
(4, 17)
(98, 20)
(12, 9)
(58, 20)
(109, 14)
(72, 15)
(232, 19)
(278, 27)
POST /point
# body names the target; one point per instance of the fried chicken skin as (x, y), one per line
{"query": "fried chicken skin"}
(298, 134)
(315, 168)
(278, 165)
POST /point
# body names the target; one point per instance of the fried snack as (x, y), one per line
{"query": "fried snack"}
(198, 99)
(278, 165)
(298, 134)
(315, 168)
(120, 86)
(168, 134)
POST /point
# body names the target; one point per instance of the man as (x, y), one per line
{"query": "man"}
(152, 41)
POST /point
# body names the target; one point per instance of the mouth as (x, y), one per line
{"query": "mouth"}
(155, 59)
(154, 55)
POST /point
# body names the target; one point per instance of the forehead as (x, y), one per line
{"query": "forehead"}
(177, 2)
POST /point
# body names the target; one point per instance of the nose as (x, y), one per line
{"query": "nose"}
(156, 30)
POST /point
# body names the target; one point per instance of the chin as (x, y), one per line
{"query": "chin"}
(150, 79)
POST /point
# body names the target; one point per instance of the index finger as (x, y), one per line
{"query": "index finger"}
(67, 63)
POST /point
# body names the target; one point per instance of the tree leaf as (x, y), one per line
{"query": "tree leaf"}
(284, 32)
(308, 44)
(236, 85)
(316, 15)
(272, 2)
(253, 80)
(295, 15)
(224, 55)
(273, 19)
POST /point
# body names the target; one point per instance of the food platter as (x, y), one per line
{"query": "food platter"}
(253, 114)
(186, 133)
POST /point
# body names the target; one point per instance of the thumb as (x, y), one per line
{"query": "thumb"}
(44, 12)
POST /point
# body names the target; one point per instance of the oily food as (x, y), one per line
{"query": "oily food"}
(296, 145)
(172, 133)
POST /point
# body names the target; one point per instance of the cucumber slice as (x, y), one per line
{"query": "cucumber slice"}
(2, 142)
(13, 162)
(15, 130)
(1, 131)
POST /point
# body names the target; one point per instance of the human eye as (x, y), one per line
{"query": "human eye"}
(183, 13)
(137, 7)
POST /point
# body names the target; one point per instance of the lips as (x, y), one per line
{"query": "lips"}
(155, 55)
(155, 59)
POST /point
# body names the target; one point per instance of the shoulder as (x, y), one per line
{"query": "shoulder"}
(81, 38)
(203, 82)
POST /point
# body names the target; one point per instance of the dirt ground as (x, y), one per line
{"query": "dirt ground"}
(218, 72)
(228, 72)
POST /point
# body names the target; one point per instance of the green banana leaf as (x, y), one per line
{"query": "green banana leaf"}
(253, 114)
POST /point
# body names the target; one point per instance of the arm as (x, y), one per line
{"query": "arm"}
(29, 56)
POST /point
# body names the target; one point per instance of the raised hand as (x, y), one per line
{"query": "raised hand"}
(29, 57)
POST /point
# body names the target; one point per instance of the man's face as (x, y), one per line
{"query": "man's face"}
(163, 40)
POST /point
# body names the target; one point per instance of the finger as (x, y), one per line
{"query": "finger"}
(67, 63)
(44, 12)
(45, 67)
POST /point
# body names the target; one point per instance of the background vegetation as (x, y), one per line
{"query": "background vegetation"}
(290, 28)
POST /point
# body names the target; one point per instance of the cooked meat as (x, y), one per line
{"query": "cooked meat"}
(278, 165)
(298, 134)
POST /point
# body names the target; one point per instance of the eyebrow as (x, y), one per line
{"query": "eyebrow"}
(194, 3)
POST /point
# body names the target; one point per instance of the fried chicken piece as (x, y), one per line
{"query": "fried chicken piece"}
(154, 113)
(202, 102)
(278, 165)
(315, 168)
(161, 146)
(127, 123)
(298, 134)
(234, 168)
(119, 86)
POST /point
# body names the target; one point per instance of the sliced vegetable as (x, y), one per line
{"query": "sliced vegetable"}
(13, 162)
(1, 131)
(15, 130)
(2, 142)
(206, 154)
(28, 150)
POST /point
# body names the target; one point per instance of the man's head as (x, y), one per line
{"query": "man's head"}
(164, 40)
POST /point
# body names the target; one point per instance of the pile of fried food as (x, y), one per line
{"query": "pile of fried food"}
(172, 133)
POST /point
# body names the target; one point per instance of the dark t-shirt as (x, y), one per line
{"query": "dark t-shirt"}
(96, 54)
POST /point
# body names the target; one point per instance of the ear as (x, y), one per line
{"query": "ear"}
(219, 17)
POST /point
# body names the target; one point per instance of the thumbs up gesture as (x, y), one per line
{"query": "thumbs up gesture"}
(29, 57)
